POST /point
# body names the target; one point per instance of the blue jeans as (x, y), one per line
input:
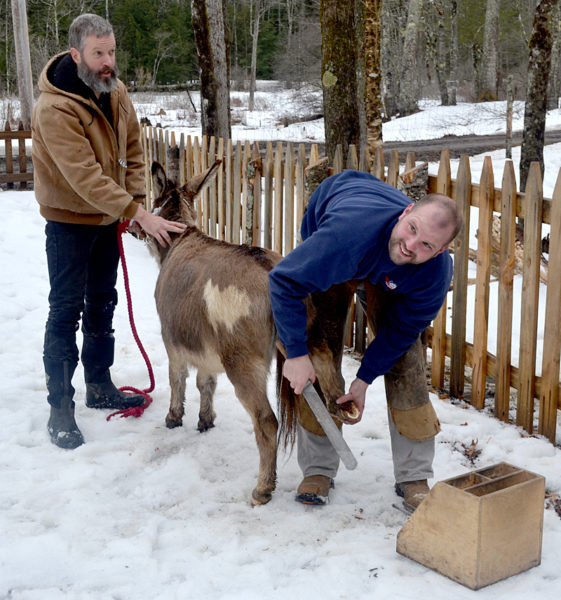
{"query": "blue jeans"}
(82, 262)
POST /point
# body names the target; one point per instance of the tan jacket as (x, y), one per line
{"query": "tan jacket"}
(84, 170)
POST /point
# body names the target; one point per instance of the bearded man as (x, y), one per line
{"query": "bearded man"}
(357, 228)
(88, 173)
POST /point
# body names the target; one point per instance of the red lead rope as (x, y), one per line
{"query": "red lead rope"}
(135, 411)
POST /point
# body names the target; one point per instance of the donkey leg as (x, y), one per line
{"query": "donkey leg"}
(251, 389)
(206, 385)
(178, 373)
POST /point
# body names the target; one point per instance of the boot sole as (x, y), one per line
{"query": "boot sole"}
(312, 499)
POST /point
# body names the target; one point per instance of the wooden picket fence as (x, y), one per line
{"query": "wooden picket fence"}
(259, 198)
(9, 175)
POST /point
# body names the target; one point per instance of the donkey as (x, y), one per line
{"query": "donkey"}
(213, 302)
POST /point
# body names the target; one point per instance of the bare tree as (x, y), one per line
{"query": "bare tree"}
(23, 61)
(394, 20)
(488, 66)
(452, 83)
(407, 102)
(441, 50)
(338, 75)
(254, 40)
(555, 76)
(372, 16)
(539, 54)
(209, 24)
(300, 57)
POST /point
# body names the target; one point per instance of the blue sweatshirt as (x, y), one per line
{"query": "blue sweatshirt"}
(345, 234)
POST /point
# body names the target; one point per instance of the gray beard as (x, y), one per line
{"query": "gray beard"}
(93, 81)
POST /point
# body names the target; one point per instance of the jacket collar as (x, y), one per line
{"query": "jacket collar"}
(63, 74)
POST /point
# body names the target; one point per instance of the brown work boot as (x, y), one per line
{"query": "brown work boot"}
(412, 492)
(314, 489)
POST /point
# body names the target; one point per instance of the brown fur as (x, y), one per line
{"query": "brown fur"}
(213, 301)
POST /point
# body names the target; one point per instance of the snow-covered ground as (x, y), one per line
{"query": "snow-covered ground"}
(140, 511)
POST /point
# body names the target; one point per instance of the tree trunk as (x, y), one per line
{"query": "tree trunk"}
(373, 79)
(407, 103)
(254, 40)
(488, 68)
(452, 84)
(539, 64)
(394, 20)
(23, 61)
(209, 26)
(338, 75)
(555, 79)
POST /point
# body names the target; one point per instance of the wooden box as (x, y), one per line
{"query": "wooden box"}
(480, 527)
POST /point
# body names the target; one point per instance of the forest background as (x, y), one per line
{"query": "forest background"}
(452, 48)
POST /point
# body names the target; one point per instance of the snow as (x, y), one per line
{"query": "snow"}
(140, 511)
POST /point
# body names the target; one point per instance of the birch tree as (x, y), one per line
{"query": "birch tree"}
(209, 25)
(539, 63)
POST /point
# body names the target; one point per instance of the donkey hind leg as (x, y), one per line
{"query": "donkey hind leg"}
(206, 385)
(178, 373)
(252, 393)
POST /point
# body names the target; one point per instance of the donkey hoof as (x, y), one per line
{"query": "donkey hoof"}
(203, 426)
(259, 498)
(348, 412)
(173, 422)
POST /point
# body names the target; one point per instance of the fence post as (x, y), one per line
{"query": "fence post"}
(22, 157)
(439, 323)
(352, 158)
(459, 298)
(338, 159)
(300, 189)
(237, 194)
(254, 169)
(549, 395)
(410, 161)
(229, 191)
(268, 197)
(278, 199)
(506, 277)
(289, 198)
(364, 159)
(393, 168)
(533, 207)
(220, 198)
(9, 155)
(379, 168)
(481, 313)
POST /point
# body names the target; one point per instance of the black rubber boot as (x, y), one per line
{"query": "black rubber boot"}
(62, 426)
(98, 352)
(106, 395)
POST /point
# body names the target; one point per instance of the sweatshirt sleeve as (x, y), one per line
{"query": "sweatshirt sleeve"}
(329, 256)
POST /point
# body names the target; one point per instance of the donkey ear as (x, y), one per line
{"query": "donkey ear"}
(159, 179)
(199, 182)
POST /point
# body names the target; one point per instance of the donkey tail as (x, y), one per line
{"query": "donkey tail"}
(287, 406)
